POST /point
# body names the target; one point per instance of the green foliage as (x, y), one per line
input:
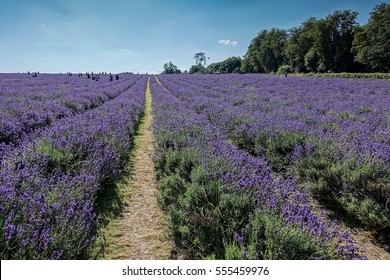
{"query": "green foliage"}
(236, 209)
(363, 110)
(196, 219)
(200, 59)
(175, 162)
(330, 45)
(197, 69)
(171, 187)
(346, 116)
(318, 45)
(277, 147)
(169, 163)
(58, 158)
(234, 252)
(71, 105)
(265, 53)
(313, 61)
(170, 68)
(385, 76)
(238, 102)
(230, 65)
(299, 42)
(340, 37)
(359, 190)
(366, 210)
(324, 44)
(333, 180)
(371, 42)
(284, 69)
(270, 239)
(201, 215)
(200, 64)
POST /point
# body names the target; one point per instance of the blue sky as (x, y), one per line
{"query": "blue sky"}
(141, 35)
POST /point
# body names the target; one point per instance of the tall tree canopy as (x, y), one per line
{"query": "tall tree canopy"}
(265, 52)
(371, 43)
(200, 58)
(300, 41)
(335, 43)
(200, 63)
(323, 45)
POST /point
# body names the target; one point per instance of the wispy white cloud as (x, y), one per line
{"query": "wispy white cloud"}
(227, 42)
(127, 52)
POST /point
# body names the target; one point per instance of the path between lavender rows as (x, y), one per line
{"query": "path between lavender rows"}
(139, 233)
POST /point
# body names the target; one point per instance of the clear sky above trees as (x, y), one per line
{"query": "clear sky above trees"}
(142, 35)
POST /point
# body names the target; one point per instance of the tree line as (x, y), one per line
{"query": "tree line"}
(336, 43)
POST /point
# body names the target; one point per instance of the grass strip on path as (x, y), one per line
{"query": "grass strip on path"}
(139, 231)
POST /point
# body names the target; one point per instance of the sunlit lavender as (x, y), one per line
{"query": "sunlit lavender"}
(71, 136)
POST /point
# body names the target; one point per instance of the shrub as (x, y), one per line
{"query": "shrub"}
(284, 69)
(270, 239)
(171, 187)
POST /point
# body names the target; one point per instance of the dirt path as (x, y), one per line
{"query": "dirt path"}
(140, 232)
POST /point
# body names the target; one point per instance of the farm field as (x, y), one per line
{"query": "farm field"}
(51, 174)
(247, 166)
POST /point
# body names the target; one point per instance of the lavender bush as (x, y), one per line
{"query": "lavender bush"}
(331, 133)
(49, 184)
(27, 104)
(224, 202)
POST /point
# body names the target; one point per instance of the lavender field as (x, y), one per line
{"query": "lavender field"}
(248, 166)
(63, 138)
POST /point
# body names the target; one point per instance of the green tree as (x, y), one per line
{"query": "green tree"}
(200, 58)
(341, 25)
(200, 64)
(371, 42)
(298, 45)
(271, 54)
(197, 69)
(251, 63)
(323, 45)
(229, 65)
(319, 56)
(266, 52)
(170, 68)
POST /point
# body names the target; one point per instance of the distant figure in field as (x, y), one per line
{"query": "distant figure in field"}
(116, 77)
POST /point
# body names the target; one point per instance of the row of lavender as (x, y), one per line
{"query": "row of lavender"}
(331, 133)
(27, 104)
(225, 203)
(49, 185)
